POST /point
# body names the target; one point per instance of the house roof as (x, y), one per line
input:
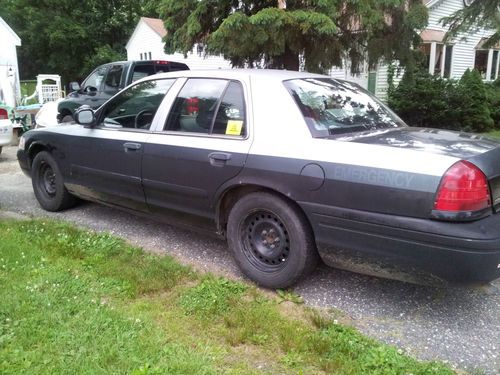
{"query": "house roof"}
(15, 39)
(481, 43)
(156, 24)
(429, 35)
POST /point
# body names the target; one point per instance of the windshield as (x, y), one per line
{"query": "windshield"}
(333, 107)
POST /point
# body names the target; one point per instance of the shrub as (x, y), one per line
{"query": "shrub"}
(493, 95)
(430, 101)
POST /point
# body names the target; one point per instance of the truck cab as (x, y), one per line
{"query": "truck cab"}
(106, 80)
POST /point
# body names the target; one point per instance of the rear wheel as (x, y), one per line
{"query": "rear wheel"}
(48, 183)
(271, 240)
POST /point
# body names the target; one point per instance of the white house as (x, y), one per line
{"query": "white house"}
(146, 43)
(449, 60)
(10, 88)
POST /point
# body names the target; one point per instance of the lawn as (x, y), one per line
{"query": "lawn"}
(494, 134)
(80, 302)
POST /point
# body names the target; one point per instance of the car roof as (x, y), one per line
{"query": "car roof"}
(268, 74)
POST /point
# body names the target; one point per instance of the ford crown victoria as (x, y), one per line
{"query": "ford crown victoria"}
(290, 167)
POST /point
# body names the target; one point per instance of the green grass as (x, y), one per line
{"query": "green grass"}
(494, 134)
(27, 89)
(75, 301)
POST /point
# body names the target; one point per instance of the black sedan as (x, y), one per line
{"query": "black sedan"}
(290, 167)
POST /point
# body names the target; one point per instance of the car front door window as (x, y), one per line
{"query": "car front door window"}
(94, 81)
(113, 78)
(135, 108)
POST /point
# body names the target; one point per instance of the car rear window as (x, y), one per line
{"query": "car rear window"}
(333, 107)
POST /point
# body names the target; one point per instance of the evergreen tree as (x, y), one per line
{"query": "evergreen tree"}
(271, 33)
(475, 113)
(478, 14)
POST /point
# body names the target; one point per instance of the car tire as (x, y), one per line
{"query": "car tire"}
(48, 184)
(67, 118)
(271, 240)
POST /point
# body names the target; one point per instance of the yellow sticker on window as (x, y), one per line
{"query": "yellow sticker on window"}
(234, 127)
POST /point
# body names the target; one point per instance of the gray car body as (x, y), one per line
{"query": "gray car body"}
(368, 196)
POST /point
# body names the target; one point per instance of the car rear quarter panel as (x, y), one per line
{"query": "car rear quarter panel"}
(285, 157)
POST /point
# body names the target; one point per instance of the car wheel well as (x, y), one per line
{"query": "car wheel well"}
(65, 112)
(231, 196)
(34, 150)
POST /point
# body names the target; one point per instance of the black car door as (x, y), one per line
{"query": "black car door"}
(203, 143)
(105, 161)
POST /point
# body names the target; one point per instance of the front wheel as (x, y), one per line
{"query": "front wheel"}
(67, 118)
(271, 240)
(48, 183)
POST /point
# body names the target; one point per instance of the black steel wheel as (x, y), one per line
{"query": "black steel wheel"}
(48, 184)
(271, 240)
(266, 242)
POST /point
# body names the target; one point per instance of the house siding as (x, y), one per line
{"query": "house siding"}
(344, 73)
(145, 40)
(8, 60)
(464, 46)
(464, 50)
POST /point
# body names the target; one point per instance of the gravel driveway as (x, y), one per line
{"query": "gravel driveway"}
(460, 326)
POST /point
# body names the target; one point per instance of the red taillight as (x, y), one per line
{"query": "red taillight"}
(4, 115)
(463, 188)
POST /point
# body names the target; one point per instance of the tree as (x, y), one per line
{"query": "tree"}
(285, 34)
(478, 14)
(71, 38)
(431, 101)
(476, 115)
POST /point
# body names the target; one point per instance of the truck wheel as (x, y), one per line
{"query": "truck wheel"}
(271, 240)
(48, 184)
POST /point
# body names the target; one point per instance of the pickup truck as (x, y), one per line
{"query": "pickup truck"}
(106, 80)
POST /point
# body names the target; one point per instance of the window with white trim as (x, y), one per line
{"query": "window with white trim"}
(486, 62)
(439, 58)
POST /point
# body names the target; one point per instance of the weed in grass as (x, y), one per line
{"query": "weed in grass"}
(290, 296)
(319, 319)
(211, 297)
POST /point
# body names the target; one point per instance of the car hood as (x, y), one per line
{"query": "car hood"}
(437, 141)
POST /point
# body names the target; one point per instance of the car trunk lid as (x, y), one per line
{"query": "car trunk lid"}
(482, 151)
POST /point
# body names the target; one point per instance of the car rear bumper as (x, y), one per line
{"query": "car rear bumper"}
(419, 249)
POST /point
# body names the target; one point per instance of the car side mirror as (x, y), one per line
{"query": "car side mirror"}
(74, 86)
(85, 116)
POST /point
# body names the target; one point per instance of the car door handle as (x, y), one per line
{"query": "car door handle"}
(219, 159)
(131, 146)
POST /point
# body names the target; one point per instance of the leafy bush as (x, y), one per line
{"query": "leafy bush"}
(430, 101)
(493, 95)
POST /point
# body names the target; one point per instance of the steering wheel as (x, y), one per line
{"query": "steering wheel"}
(140, 114)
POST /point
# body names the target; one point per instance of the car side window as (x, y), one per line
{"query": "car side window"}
(135, 107)
(113, 78)
(230, 119)
(142, 70)
(208, 106)
(94, 81)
